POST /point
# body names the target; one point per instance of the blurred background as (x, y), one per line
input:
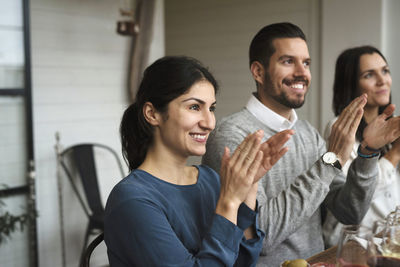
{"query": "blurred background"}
(66, 68)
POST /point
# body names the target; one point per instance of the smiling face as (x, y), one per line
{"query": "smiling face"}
(374, 80)
(190, 119)
(285, 81)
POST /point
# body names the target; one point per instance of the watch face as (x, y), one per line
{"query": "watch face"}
(329, 157)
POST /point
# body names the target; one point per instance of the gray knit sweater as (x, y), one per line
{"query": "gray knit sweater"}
(291, 193)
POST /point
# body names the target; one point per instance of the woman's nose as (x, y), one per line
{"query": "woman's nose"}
(380, 79)
(208, 120)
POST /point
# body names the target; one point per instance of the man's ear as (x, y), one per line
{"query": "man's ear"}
(258, 72)
(150, 113)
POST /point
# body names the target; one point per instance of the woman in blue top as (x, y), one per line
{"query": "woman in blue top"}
(165, 213)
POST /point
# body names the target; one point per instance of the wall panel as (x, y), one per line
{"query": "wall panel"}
(219, 33)
(79, 79)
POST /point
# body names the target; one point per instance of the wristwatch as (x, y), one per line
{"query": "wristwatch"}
(330, 158)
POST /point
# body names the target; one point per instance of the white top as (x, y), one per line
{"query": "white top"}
(269, 117)
(385, 199)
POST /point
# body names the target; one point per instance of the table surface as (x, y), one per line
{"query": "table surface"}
(329, 255)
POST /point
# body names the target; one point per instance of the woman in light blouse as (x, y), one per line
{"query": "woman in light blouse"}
(361, 70)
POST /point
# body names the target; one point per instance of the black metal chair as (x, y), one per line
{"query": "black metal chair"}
(79, 160)
(85, 262)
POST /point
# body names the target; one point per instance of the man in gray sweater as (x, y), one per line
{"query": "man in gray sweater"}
(290, 195)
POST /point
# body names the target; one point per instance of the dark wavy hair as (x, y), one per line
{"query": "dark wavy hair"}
(163, 81)
(345, 86)
(262, 48)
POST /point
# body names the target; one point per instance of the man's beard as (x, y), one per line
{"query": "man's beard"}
(283, 98)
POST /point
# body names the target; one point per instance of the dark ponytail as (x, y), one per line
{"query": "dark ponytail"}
(163, 81)
(136, 136)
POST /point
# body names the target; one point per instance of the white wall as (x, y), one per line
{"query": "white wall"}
(345, 24)
(79, 89)
(391, 40)
(79, 73)
(12, 129)
(219, 33)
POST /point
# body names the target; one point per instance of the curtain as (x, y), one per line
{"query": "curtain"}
(140, 48)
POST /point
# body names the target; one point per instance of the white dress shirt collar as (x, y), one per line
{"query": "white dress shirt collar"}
(269, 117)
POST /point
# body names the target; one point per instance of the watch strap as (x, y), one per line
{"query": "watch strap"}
(337, 165)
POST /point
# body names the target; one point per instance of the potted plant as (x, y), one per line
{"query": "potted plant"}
(10, 222)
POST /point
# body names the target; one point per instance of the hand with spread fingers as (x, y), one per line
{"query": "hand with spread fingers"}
(237, 175)
(273, 150)
(344, 130)
(240, 172)
(381, 130)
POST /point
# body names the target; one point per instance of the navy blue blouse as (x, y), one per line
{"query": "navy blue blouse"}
(150, 222)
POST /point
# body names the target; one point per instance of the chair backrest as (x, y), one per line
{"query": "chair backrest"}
(85, 262)
(82, 156)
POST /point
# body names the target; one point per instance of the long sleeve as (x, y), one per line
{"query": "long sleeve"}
(383, 199)
(249, 249)
(354, 194)
(291, 193)
(281, 212)
(149, 222)
(350, 201)
(387, 173)
(151, 241)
